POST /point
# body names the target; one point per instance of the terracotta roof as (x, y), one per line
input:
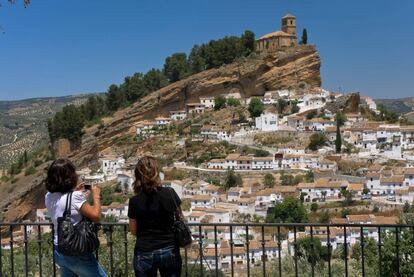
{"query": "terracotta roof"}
(355, 187)
(386, 220)
(199, 197)
(392, 179)
(232, 156)
(276, 34)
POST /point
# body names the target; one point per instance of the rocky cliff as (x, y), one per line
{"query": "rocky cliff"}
(250, 77)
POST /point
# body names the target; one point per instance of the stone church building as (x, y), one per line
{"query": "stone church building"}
(279, 39)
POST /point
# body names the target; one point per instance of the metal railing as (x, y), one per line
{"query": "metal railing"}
(223, 249)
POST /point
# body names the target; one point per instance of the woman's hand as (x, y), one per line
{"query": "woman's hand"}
(96, 192)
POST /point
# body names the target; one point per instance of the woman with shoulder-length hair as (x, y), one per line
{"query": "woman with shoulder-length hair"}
(151, 218)
(62, 181)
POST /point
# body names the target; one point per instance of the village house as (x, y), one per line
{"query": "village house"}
(208, 102)
(246, 205)
(195, 108)
(267, 122)
(321, 189)
(214, 133)
(117, 210)
(178, 115)
(177, 185)
(203, 201)
(126, 180)
(162, 121)
(310, 102)
(111, 166)
(233, 194)
(145, 128)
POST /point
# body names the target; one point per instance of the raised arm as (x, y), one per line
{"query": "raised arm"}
(93, 212)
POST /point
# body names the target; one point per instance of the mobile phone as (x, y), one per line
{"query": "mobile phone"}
(87, 186)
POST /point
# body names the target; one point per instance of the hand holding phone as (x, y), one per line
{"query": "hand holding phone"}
(87, 186)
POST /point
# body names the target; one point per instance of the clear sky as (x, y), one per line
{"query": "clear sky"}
(57, 47)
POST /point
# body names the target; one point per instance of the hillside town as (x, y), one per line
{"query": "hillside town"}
(377, 182)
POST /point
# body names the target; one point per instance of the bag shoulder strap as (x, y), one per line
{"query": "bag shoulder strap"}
(175, 203)
(68, 205)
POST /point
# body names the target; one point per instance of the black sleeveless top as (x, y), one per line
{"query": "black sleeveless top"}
(154, 213)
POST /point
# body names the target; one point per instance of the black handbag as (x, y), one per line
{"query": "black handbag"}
(79, 239)
(182, 232)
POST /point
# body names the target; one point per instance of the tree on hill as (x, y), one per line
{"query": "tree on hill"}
(338, 140)
(134, 88)
(154, 79)
(340, 119)
(256, 107)
(233, 102)
(304, 39)
(269, 180)
(68, 124)
(176, 67)
(115, 99)
(291, 210)
(317, 140)
(219, 102)
(248, 41)
(281, 106)
(233, 179)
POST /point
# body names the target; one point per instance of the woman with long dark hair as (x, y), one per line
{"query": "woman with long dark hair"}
(151, 218)
(62, 181)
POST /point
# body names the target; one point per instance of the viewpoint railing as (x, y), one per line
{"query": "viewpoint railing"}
(288, 249)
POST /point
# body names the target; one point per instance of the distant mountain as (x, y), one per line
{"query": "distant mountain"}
(399, 105)
(23, 123)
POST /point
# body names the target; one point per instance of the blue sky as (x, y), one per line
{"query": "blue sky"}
(57, 47)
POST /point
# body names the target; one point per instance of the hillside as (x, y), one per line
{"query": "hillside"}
(399, 105)
(299, 66)
(249, 77)
(23, 124)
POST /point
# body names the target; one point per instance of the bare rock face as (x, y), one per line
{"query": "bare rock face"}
(249, 77)
(349, 103)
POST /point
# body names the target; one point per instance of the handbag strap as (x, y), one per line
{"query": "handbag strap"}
(175, 203)
(67, 212)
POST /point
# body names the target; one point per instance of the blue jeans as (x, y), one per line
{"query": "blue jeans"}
(166, 260)
(79, 266)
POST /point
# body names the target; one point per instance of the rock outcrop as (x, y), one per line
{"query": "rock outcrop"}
(249, 77)
(348, 103)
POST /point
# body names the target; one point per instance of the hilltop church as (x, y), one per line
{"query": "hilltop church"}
(279, 39)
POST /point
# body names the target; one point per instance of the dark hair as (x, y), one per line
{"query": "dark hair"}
(147, 176)
(61, 176)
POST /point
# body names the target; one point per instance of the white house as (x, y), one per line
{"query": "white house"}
(178, 115)
(195, 108)
(126, 180)
(208, 102)
(267, 122)
(162, 121)
(110, 166)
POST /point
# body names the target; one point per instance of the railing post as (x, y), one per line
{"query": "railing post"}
(200, 242)
(111, 259)
(26, 250)
(216, 249)
(362, 251)
(313, 258)
(264, 255)
(39, 244)
(231, 251)
(379, 252)
(296, 251)
(279, 251)
(345, 252)
(126, 249)
(52, 241)
(397, 248)
(247, 250)
(328, 230)
(11, 251)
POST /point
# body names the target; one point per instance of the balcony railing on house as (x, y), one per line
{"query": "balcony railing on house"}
(297, 249)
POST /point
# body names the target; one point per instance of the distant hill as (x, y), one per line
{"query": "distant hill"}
(399, 105)
(23, 123)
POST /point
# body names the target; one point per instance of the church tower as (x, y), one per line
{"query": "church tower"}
(289, 24)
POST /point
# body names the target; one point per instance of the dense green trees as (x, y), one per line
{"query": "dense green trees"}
(269, 180)
(176, 67)
(317, 140)
(233, 179)
(219, 102)
(69, 123)
(291, 210)
(256, 107)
